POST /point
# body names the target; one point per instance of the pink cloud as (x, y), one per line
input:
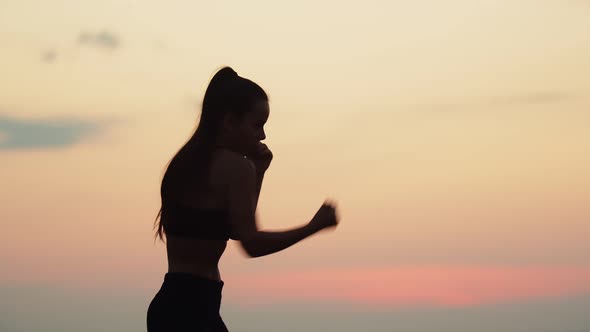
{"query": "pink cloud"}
(410, 286)
(371, 287)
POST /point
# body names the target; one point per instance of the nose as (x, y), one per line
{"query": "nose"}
(263, 135)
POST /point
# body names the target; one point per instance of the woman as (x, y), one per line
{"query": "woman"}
(209, 194)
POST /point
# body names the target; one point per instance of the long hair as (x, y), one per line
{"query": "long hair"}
(188, 170)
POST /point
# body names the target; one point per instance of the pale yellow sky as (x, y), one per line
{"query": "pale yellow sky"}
(378, 54)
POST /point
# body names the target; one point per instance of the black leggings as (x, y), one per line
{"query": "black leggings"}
(186, 302)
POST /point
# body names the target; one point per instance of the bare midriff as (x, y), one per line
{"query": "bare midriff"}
(195, 256)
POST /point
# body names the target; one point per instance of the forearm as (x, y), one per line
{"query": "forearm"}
(268, 242)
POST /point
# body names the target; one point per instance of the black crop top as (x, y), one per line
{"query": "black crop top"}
(186, 221)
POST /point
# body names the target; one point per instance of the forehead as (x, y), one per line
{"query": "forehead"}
(260, 111)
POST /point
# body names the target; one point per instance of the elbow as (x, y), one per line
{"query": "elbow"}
(252, 248)
(253, 254)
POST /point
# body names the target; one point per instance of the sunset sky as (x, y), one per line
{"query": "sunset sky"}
(455, 136)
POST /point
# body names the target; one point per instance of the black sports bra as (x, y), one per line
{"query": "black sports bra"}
(186, 221)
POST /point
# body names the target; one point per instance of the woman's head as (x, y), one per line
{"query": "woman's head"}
(234, 111)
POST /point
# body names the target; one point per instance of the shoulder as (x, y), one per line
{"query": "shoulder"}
(233, 165)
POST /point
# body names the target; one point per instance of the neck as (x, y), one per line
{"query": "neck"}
(228, 147)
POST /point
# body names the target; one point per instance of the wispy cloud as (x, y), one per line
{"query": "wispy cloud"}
(542, 97)
(103, 39)
(498, 102)
(48, 56)
(17, 134)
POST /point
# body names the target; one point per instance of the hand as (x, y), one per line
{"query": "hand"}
(261, 158)
(325, 217)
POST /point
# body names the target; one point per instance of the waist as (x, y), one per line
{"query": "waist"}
(197, 270)
(189, 281)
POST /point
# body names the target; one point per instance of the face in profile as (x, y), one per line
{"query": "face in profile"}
(249, 130)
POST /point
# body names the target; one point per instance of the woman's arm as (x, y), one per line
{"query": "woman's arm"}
(243, 191)
(262, 243)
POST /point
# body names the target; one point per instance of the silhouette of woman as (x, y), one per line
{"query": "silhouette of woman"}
(209, 194)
